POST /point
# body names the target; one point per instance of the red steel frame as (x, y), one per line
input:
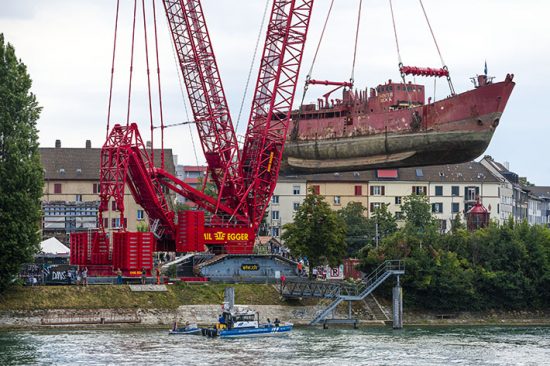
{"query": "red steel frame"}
(206, 95)
(272, 104)
(245, 184)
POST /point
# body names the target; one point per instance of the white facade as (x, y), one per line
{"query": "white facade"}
(287, 198)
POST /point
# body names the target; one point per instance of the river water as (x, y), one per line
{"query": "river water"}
(304, 346)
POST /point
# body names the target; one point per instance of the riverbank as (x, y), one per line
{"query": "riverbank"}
(118, 306)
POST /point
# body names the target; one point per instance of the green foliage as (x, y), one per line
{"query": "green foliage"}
(357, 234)
(498, 267)
(142, 227)
(361, 231)
(317, 233)
(21, 175)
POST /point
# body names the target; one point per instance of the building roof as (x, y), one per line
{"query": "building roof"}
(472, 172)
(83, 163)
(542, 192)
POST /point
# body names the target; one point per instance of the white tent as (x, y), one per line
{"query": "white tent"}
(53, 246)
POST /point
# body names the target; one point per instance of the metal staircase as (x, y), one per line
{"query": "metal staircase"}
(341, 291)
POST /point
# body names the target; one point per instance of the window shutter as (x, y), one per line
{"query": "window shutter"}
(383, 190)
(371, 207)
(371, 190)
(413, 190)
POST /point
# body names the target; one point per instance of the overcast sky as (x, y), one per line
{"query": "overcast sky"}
(67, 46)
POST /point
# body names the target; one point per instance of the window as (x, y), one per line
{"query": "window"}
(377, 190)
(471, 193)
(437, 207)
(115, 223)
(57, 188)
(106, 223)
(295, 190)
(78, 198)
(336, 200)
(398, 200)
(96, 188)
(455, 190)
(419, 172)
(316, 189)
(375, 206)
(275, 200)
(140, 215)
(296, 206)
(113, 206)
(439, 190)
(456, 207)
(275, 231)
(399, 215)
(275, 215)
(419, 190)
(358, 190)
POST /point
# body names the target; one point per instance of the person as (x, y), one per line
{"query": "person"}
(314, 273)
(158, 275)
(78, 277)
(85, 276)
(277, 322)
(143, 275)
(283, 279)
(119, 277)
(68, 277)
(300, 266)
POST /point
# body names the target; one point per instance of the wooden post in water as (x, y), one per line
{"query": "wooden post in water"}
(397, 305)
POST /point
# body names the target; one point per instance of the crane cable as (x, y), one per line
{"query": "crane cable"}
(112, 70)
(294, 132)
(451, 87)
(400, 61)
(159, 89)
(131, 65)
(148, 78)
(252, 63)
(180, 83)
(356, 42)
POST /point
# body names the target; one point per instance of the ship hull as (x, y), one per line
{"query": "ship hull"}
(454, 130)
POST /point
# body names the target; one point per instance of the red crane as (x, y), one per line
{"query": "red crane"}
(246, 181)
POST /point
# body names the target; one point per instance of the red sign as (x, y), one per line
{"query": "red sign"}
(227, 235)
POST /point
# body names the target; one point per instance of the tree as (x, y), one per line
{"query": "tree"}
(21, 175)
(317, 233)
(357, 224)
(382, 223)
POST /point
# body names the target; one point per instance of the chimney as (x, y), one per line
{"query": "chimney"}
(58, 144)
(88, 144)
(507, 165)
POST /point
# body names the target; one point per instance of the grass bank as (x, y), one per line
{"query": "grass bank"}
(121, 297)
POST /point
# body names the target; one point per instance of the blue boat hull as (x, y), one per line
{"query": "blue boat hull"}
(255, 332)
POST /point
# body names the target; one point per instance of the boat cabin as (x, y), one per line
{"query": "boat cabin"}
(385, 97)
(391, 96)
(239, 319)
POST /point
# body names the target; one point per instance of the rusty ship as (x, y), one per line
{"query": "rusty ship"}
(393, 126)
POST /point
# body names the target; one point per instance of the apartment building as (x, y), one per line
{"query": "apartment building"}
(451, 189)
(194, 175)
(70, 200)
(538, 210)
(289, 194)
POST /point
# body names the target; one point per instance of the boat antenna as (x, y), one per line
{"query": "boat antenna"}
(437, 47)
(356, 41)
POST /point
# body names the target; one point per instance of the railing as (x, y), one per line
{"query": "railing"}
(340, 291)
